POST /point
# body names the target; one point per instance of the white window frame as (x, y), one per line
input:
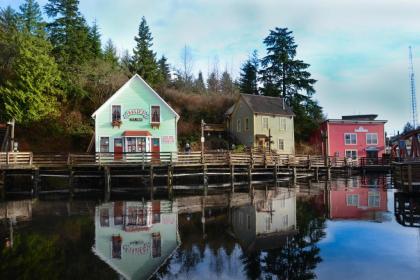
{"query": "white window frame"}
(282, 124)
(121, 111)
(374, 199)
(263, 123)
(278, 144)
(351, 150)
(350, 198)
(100, 143)
(345, 142)
(238, 125)
(150, 114)
(370, 134)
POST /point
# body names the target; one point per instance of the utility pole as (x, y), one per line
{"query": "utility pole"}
(202, 139)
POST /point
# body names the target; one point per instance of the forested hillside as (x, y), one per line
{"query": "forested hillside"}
(55, 71)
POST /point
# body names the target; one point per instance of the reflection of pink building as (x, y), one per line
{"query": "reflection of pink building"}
(361, 203)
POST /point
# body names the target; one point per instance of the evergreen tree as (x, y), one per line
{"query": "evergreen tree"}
(248, 81)
(144, 59)
(95, 40)
(125, 61)
(164, 69)
(283, 75)
(68, 33)
(31, 17)
(199, 85)
(226, 83)
(408, 127)
(110, 53)
(8, 42)
(213, 82)
(30, 92)
(8, 20)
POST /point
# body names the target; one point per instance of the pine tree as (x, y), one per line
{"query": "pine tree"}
(31, 92)
(8, 20)
(282, 74)
(95, 40)
(226, 83)
(213, 82)
(164, 70)
(144, 59)
(110, 53)
(125, 61)
(199, 85)
(31, 17)
(68, 32)
(8, 42)
(248, 81)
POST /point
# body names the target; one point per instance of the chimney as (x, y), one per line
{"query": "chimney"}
(283, 104)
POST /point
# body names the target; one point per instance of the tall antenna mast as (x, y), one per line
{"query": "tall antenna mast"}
(413, 90)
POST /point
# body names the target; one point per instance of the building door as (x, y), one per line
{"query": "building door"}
(155, 148)
(118, 149)
(371, 154)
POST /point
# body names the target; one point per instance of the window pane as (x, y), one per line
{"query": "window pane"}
(116, 112)
(104, 144)
(155, 114)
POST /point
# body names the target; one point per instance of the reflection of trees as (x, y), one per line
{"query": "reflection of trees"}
(252, 265)
(217, 245)
(66, 254)
(298, 257)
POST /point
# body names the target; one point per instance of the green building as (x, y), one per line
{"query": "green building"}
(135, 119)
(254, 119)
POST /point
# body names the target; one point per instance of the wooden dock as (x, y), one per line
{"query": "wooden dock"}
(406, 175)
(193, 170)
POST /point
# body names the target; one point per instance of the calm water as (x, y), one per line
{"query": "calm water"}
(342, 229)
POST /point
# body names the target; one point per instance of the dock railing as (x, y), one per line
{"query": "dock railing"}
(250, 158)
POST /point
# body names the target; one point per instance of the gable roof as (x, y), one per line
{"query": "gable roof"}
(267, 105)
(121, 89)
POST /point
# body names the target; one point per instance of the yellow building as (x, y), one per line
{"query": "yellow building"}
(254, 119)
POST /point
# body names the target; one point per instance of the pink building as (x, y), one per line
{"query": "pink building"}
(352, 137)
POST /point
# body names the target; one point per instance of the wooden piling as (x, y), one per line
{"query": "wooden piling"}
(410, 177)
(2, 184)
(170, 181)
(151, 179)
(205, 180)
(250, 177)
(275, 171)
(232, 177)
(107, 183)
(71, 182)
(35, 182)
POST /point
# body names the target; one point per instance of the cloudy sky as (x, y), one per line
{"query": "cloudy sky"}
(358, 50)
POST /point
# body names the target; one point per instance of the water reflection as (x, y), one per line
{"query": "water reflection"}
(407, 209)
(303, 232)
(135, 238)
(358, 198)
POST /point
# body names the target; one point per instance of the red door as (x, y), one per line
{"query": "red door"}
(118, 149)
(155, 148)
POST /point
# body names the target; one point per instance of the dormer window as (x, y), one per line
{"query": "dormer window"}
(116, 115)
(155, 115)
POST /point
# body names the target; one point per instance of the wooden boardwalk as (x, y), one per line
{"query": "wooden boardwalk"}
(194, 170)
(29, 160)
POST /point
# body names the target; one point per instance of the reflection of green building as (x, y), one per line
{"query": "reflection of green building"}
(267, 223)
(135, 238)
